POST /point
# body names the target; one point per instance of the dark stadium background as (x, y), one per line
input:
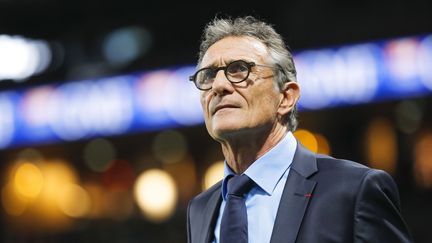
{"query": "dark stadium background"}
(80, 27)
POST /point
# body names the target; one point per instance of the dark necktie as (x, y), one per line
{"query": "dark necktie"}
(234, 228)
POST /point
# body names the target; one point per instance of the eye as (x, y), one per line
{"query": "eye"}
(206, 75)
(237, 67)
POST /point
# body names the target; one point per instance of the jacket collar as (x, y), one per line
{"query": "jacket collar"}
(295, 197)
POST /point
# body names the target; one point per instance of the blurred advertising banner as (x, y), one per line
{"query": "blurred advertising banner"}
(329, 77)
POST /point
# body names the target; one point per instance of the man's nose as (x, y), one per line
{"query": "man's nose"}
(221, 84)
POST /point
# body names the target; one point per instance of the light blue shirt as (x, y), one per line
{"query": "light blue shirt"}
(270, 173)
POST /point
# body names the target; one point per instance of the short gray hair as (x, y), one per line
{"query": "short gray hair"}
(249, 26)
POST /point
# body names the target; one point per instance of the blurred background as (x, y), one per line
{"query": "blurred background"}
(102, 137)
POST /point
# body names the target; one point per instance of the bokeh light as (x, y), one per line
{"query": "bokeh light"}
(118, 205)
(213, 174)
(20, 57)
(307, 139)
(408, 116)
(13, 203)
(323, 144)
(99, 154)
(381, 145)
(156, 194)
(30, 154)
(423, 160)
(184, 174)
(7, 124)
(169, 146)
(58, 174)
(94, 107)
(119, 177)
(97, 198)
(35, 106)
(28, 180)
(124, 45)
(74, 201)
(37, 191)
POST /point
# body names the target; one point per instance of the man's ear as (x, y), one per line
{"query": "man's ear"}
(290, 94)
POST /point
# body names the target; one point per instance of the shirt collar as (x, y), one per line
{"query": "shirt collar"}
(267, 170)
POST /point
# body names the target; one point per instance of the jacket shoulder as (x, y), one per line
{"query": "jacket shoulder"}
(329, 164)
(201, 213)
(341, 173)
(204, 197)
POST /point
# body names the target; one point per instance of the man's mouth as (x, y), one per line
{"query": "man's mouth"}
(223, 106)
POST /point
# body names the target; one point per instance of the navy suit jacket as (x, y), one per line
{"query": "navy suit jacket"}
(324, 200)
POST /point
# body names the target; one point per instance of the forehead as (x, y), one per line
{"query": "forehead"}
(234, 48)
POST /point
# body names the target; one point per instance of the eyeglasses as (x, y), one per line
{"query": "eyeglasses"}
(236, 72)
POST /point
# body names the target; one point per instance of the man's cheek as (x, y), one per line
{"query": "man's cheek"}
(203, 101)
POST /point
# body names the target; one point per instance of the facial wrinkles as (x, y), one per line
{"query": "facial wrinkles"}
(221, 53)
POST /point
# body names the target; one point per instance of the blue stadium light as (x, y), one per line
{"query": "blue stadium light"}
(329, 77)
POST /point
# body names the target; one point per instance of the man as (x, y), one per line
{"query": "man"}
(249, 94)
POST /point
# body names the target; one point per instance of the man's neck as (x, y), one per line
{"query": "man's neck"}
(242, 150)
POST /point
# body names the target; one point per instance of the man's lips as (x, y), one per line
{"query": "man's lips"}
(223, 106)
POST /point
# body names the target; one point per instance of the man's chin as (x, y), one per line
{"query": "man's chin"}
(221, 133)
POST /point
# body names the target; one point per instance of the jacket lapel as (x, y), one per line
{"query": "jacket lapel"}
(210, 216)
(295, 197)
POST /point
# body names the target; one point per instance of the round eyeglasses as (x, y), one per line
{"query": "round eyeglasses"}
(236, 72)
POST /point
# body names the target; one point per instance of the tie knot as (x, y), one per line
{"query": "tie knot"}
(239, 185)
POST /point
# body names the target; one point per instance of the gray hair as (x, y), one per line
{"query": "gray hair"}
(264, 32)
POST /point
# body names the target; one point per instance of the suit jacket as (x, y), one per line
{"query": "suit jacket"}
(324, 200)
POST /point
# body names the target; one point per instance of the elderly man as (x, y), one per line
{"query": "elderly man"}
(274, 190)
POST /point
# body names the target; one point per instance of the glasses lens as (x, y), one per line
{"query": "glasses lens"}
(204, 78)
(237, 71)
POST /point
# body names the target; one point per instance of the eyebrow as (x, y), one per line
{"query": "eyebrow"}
(212, 65)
